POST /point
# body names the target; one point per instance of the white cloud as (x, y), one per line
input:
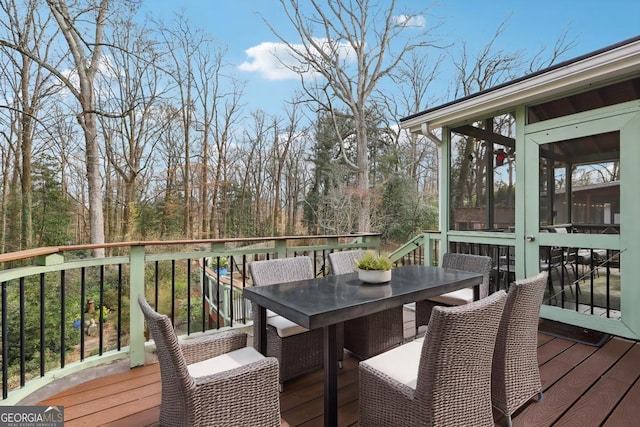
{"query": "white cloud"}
(276, 61)
(410, 21)
(269, 60)
(106, 69)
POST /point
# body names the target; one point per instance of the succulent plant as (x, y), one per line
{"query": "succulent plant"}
(371, 261)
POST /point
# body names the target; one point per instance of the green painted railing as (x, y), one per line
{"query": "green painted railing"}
(63, 311)
(585, 286)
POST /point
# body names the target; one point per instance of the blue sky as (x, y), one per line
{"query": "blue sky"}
(530, 25)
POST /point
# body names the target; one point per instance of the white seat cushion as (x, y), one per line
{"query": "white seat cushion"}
(271, 313)
(400, 363)
(224, 362)
(284, 326)
(459, 297)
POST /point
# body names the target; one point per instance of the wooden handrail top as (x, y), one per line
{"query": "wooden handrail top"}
(30, 253)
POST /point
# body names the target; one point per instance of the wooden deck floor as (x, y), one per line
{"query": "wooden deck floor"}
(583, 386)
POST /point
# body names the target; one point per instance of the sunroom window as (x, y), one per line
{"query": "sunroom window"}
(580, 184)
(483, 175)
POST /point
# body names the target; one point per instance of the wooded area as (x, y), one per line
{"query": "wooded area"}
(117, 128)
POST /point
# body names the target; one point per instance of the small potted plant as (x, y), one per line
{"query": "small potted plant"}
(374, 268)
(220, 264)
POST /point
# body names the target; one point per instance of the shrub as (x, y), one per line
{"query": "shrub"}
(371, 261)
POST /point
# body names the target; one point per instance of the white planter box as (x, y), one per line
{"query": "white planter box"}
(374, 276)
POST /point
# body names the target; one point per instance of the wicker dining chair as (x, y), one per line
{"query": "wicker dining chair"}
(298, 350)
(515, 375)
(442, 380)
(472, 263)
(214, 379)
(373, 334)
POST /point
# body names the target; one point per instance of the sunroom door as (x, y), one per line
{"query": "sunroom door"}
(575, 199)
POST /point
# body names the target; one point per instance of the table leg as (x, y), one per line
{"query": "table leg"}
(261, 327)
(330, 377)
(476, 292)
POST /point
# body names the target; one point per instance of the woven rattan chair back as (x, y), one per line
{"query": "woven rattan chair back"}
(471, 263)
(345, 261)
(300, 353)
(282, 270)
(369, 335)
(177, 384)
(516, 377)
(454, 376)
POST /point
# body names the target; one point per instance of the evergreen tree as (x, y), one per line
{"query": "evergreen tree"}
(401, 213)
(329, 173)
(51, 211)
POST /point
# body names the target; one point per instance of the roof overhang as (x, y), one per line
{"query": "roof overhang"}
(591, 70)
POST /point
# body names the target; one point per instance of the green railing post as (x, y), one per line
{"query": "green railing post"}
(372, 242)
(428, 249)
(281, 248)
(136, 325)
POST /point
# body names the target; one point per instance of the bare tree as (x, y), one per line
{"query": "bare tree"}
(218, 109)
(5, 159)
(543, 58)
(86, 57)
(31, 85)
(489, 67)
(298, 178)
(170, 141)
(255, 196)
(349, 49)
(183, 43)
(282, 143)
(130, 83)
(415, 76)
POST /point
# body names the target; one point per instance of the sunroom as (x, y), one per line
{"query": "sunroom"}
(531, 174)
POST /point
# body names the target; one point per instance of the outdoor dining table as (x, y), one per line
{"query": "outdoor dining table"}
(325, 302)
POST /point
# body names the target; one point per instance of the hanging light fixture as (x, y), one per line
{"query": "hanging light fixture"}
(500, 156)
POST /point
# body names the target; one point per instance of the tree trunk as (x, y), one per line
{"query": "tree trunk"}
(94, 182)
(86, 69)
(25, 136)
(362, 160)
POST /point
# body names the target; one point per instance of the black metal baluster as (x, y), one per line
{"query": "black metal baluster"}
(5, 343)
(562, 261)
(205, 291)
(173, 291)
(157, 284)
(188, 296)
(119, 306)
(608, 282)
(231, 293)
(101, 314)
(591, 284)
(62, 318)
(244, 284)
(42, 328)
(82, 312)
(217, 284)
(23, 358)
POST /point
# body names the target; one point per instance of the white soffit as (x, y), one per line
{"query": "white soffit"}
(591, 71)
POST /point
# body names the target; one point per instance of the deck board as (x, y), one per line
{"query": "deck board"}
(595, 405)
(583, 385)
(567, 390)
(627, 412)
